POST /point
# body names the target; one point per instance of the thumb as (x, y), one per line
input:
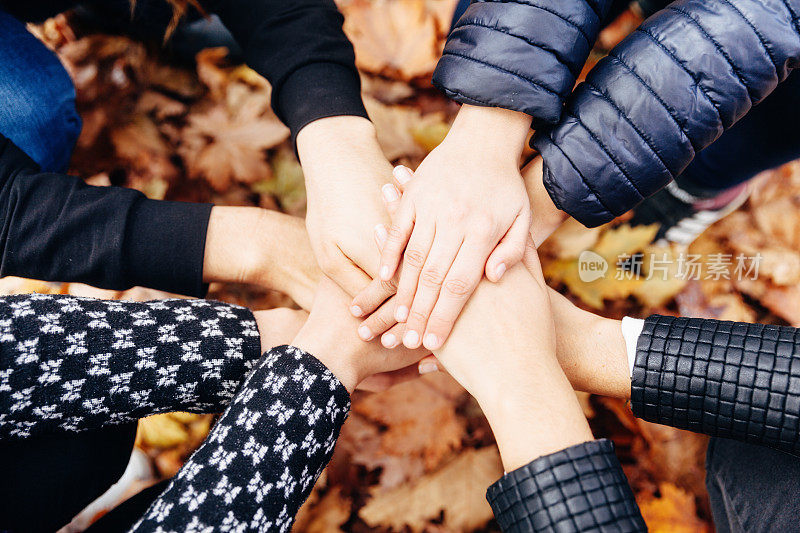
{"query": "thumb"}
(510, 250)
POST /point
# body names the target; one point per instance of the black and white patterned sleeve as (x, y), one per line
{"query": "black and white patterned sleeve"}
(69, 364)
(260, 462)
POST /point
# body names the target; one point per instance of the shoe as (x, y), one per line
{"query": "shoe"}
(682, 216)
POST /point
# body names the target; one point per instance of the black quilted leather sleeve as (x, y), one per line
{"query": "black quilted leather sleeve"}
(581, 488)
(726, 379)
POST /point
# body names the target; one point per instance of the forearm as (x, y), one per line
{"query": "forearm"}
(591, 350)
(546, 216)
(261, 247)
(70, 364)
(534, 412)
(261, 460)
(494, 129)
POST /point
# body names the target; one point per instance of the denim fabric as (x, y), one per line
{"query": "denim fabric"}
(37, 98)
(752, 488)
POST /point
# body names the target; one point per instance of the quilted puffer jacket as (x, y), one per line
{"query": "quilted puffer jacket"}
(667, 91)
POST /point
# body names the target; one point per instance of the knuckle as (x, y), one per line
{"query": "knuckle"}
(395, 233)
(458, 287)
(417, 317)
(439, 324)
(431, 277)
(414, 258)
(389, 286)
(379, 321)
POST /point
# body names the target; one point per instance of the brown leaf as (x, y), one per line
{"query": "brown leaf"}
(418, 419)
(456, 491)
(398, 38)
(224, 148)
(400, 127)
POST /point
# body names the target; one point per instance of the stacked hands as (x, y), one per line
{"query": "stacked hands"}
(402, 276)
(413, 254)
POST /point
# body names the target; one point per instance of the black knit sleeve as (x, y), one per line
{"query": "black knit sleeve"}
(581, 488)
(69, 364)
(301, 48)
(55, 227)
(727, 379)
(260, 462)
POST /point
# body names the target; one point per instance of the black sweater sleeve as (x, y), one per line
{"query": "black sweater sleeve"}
(300, 47)
(726, 379)
(55, 227)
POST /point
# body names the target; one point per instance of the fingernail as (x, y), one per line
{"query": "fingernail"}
(385, 273)
(390, 193)
(364, 333)
(500, 270)
(401, 313)
(431, 341)
(411, 339)
(428, 367)
(389, 340)
(380, 233)
(356, 310)
(402, 174)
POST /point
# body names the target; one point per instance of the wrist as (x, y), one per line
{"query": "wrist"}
(324, 348)
(498, 131)
(260, 247)
(341, 136)
(528, 424)
(224, 259)
(591, 350)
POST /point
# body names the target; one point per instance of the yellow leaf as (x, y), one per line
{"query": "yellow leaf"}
(162, 431)
(673, 512)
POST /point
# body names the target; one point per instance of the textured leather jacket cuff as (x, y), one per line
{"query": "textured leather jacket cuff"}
(580, 488)
(726, 379)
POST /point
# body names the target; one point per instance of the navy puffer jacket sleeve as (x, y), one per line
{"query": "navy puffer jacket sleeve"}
(666, 92)
(523, 55)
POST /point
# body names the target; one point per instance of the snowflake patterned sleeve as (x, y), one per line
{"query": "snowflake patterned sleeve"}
(69, 364)
(260, 462)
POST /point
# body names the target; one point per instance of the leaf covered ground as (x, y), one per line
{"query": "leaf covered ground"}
(420, 456)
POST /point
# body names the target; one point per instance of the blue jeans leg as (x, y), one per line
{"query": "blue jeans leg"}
(37, 98)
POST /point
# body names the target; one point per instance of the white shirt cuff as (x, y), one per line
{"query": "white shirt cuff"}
(631, 329)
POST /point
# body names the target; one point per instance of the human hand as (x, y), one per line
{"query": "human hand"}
(329, 334)
(261, 247)
(467, 212)
(344, 168)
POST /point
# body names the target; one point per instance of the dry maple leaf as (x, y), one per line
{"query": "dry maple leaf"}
(224, 148)
(457, 491)
(419, 420)
(140, 144)
(398, 38)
